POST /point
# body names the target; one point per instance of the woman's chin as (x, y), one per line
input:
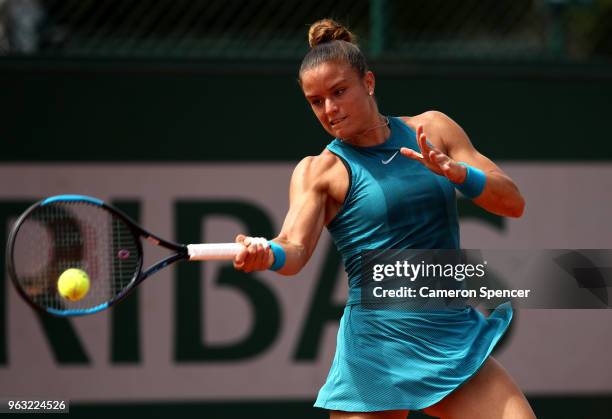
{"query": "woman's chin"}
(341, 132)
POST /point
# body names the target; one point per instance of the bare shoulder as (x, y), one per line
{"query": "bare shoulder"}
(317, 165)
(316, 171)
(441, 129)
(429, 119)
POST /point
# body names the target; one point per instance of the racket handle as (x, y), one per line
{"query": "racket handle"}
(213, 251)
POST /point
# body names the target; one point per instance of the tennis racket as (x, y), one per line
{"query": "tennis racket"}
(76, 231)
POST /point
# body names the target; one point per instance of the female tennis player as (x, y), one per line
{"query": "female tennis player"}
(389, 182)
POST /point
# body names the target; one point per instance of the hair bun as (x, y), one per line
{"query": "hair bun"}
(327, 30)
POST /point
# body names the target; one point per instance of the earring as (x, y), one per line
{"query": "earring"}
(371, 92)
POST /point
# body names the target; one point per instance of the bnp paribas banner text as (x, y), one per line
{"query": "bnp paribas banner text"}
(201, 331)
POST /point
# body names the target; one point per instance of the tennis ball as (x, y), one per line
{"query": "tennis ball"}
(73, 284)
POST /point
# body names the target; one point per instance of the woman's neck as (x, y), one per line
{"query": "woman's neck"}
(377, 133)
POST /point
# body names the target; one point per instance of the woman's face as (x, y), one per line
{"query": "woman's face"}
(340, 98)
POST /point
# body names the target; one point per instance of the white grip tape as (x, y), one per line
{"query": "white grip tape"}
(213, 251)
(257, 240)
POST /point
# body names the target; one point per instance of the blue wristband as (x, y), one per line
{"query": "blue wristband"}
(474, 182)
(279, 256)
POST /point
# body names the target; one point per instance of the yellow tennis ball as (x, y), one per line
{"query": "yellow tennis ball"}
(73, 284)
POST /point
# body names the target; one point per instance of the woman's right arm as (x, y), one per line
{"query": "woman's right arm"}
(308, 194)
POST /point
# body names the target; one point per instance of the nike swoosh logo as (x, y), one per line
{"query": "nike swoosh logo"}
(390, 158)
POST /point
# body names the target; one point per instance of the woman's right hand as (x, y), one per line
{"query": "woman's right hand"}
(255, 256)
(308, 195)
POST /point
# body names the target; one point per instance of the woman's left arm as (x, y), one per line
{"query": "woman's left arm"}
(500, 194)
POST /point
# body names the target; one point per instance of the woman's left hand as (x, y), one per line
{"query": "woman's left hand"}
(435, 160)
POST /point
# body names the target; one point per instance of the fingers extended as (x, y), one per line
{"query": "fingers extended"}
(422, 141)
(438, 156)
(410, 153)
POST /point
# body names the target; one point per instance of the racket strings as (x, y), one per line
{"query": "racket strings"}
(66, 253)
(64, 235)
(125, 256)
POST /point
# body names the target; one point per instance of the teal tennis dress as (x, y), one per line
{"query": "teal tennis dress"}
(390, 359)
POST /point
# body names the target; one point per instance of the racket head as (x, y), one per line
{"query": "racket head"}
(74, 231)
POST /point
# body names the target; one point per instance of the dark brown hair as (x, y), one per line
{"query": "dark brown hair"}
(330, 41)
